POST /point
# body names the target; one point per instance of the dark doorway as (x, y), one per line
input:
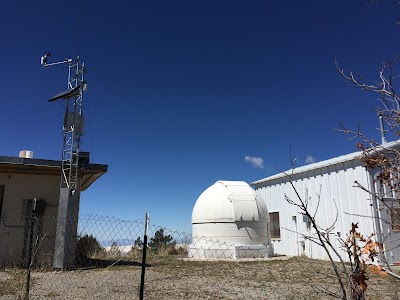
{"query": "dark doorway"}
(1, 198)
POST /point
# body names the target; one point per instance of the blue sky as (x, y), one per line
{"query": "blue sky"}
(181, 92)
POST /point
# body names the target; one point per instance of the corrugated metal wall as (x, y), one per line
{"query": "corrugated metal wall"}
(334, 184)
(390, 236)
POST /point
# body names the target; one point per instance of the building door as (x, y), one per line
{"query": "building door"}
(390, 214)
(1, 199)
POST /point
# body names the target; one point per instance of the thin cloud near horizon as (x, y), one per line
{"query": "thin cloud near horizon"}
(256, 162)
(310, 159)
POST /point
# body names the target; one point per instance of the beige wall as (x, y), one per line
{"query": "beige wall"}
(19, 187)
(14, 222)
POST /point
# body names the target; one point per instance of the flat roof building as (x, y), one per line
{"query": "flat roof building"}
(22, 180)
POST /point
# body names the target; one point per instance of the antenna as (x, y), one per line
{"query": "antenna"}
(70, 163)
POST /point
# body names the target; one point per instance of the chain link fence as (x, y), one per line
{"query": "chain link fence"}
(107, 262)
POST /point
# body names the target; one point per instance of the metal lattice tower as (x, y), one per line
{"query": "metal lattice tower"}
(73, 126)
(73, 120)
(68, 204)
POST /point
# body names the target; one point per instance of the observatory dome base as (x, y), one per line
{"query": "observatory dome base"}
(230, 240)
(228, 252)
(235, 233)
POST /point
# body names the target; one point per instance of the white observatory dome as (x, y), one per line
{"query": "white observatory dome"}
(230, 220)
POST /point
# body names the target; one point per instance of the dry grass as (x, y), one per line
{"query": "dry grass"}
(12, 283)
(171, 278)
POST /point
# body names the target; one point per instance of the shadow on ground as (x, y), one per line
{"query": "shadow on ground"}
(93, 263)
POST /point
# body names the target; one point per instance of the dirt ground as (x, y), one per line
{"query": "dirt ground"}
(294, 278)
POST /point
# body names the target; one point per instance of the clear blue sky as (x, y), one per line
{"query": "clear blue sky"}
(180, 92)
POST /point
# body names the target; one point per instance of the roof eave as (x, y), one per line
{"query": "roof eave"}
(328, 162)
(89, 174)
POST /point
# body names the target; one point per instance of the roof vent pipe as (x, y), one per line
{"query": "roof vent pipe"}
(382, 129)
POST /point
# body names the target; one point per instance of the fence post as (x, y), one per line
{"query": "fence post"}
(144, 257)
(30, 250)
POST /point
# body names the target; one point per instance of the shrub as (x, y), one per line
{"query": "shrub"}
(161, 242)
(87, 246)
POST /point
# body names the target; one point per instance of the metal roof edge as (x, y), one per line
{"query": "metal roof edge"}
(45, 162)
(328, 162)
(89, 179)
(29, 161)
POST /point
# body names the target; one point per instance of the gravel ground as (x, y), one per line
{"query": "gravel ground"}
(295, 278)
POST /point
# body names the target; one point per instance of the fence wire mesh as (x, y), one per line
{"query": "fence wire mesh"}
(103, 256)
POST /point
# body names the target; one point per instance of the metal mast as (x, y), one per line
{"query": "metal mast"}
(73, 120)
(73, 126)
(68, 205)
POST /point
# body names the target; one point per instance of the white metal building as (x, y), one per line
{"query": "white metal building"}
(230, 221)
(334, 180)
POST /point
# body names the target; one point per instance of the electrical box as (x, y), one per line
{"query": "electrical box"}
(83, 160)
(40, 207)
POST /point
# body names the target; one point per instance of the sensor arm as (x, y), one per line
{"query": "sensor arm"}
(57, 63)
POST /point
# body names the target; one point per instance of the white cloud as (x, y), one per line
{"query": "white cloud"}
(256, 162)
(310, 159)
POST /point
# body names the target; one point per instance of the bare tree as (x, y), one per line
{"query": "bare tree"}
(385, 88)
(361, 250)
(383, 157)
(350, 273)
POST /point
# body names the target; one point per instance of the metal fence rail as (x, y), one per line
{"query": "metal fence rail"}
(108, 263)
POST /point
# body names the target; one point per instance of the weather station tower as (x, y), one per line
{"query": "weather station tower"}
(71, 160)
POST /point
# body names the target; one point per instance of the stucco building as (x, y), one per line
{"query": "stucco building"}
(22, 180)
